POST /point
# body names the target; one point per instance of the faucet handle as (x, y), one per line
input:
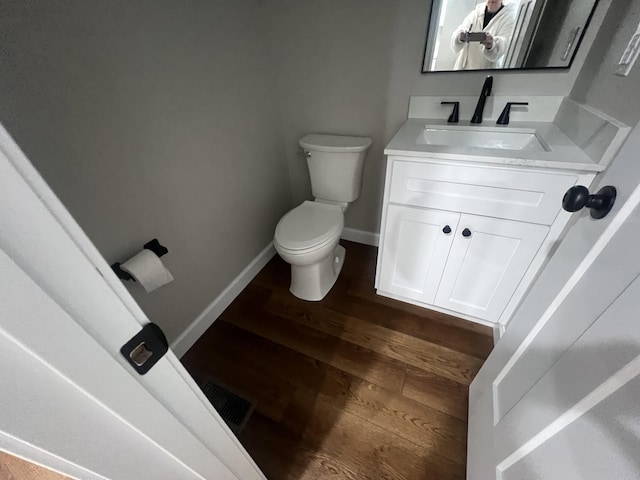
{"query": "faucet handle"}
(453, 118)
(504, 116)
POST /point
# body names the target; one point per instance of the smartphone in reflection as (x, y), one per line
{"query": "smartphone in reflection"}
(476, 37)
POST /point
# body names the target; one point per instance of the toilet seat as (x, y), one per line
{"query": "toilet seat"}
(309, 226)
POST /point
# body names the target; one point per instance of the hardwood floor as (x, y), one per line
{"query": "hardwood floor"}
(357, 386)
(14, 468)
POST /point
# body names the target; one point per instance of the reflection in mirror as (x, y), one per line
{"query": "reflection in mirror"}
(504, 34)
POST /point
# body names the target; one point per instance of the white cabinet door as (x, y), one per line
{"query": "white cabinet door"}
(488, 258)
(415, 251)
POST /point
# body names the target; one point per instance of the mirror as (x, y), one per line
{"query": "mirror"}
(504, 34)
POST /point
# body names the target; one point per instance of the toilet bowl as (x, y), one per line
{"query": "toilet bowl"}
(307, 238)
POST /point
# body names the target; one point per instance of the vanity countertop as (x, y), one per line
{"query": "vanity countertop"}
(563, 154)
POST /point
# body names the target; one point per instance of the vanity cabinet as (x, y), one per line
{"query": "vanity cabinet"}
(463, 238)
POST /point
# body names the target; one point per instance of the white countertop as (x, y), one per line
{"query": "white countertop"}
(564, 154)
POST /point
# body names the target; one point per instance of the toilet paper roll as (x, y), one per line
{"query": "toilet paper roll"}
(148, 270)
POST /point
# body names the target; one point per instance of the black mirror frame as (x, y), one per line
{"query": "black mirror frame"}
(521, 69)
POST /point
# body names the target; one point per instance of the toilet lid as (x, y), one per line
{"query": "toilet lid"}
(308, 225)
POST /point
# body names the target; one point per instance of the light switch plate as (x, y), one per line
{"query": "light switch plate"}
(630, 55)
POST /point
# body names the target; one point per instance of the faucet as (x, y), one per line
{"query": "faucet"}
(486, 91)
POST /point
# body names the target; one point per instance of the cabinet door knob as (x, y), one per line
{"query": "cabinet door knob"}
(466, 232)
(447, 229)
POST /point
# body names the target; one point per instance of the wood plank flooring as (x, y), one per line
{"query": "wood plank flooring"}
(357, 386)
(14, 468)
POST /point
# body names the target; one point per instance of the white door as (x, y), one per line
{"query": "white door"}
(488, 258)
(417, 242)
(69, 400)
(558, 397)
(526, 22)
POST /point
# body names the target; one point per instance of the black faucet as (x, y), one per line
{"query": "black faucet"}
(486, 91)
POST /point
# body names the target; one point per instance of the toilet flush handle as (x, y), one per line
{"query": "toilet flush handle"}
(304, 153)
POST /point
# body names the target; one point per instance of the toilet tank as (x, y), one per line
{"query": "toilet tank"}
(335, 165)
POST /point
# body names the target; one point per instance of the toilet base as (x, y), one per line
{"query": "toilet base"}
(313, 282)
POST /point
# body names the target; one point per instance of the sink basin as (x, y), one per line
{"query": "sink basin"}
(483, 137)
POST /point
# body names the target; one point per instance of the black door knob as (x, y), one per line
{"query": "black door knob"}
(466, 232)
(575, 199)
(600, 204)
(447, 229)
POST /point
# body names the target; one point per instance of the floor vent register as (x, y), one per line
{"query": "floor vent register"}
(234, 409)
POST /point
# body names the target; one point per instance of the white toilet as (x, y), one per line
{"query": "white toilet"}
(307, 236)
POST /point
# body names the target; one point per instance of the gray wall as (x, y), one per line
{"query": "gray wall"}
(597, 84)
(350, 66)
(180, 119)
(151, 119)
(333, 62)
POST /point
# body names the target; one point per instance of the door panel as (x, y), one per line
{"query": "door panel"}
(601, 444)
(86, 395)
(415, 251)
(484, 268)
(553, 337)
(606, 347)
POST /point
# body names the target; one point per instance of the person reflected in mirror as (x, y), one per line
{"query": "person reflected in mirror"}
(482, 40)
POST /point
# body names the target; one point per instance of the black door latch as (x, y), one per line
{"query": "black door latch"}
(145, 348)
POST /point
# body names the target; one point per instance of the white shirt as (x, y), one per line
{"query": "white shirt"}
(475, 56)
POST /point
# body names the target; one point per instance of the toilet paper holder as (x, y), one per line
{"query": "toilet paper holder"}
(153, 245)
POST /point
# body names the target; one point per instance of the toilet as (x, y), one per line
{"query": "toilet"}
(307, 237)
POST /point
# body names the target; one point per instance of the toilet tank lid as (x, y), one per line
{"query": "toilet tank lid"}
(334, 143)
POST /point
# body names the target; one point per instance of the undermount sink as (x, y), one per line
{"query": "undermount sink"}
(483, 137)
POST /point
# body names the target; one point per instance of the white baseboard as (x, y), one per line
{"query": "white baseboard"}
(361, 236)
(222, 301)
